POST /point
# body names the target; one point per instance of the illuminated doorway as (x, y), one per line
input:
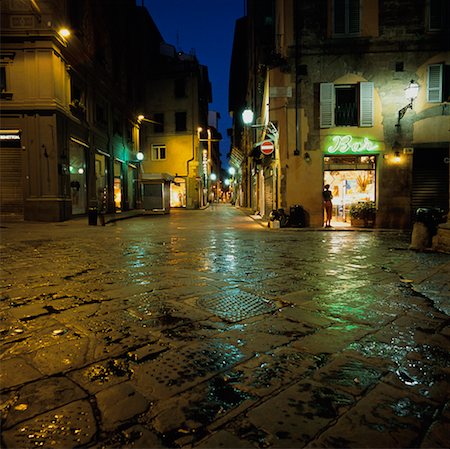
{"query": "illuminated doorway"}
(352, 179)
(178, 193)
(118, 185)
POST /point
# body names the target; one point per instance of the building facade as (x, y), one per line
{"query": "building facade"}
(176, 113)
(331, 78)
(68, 99)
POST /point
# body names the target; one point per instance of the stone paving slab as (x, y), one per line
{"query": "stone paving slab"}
(107, 343)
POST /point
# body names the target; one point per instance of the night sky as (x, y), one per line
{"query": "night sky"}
(205, 27)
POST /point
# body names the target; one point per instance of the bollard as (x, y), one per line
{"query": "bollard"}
(92, 216)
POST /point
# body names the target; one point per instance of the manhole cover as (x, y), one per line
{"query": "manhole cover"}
(237, 306)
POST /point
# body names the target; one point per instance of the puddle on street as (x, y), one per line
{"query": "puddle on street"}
(221, 396)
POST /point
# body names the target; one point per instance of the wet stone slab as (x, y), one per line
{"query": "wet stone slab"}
(294, 416)
(386, 417)
(70, 426)
(38, 397)
(176, 371)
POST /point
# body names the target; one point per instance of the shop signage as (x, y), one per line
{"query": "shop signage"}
(350, 145)
(267, 147)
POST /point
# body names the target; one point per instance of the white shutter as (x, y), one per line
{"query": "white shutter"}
(366, 104)
(434, 87)
(326, 105)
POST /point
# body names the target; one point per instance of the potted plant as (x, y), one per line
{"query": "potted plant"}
(362, 214)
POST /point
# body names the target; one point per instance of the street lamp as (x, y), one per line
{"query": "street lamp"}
(248, 116)
(143, 118)
(411, 94)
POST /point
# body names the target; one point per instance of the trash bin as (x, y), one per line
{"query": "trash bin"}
(92, 216)
(297, 216)
(430, 217)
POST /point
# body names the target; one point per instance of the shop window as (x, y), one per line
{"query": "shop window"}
(438, 83)
(180, 121)
(346, 105)
(180, 88)
(346, 17)
(158, 152)
(158, 127)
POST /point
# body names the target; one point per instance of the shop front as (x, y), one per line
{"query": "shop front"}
(78, 176)
(178, 192)
(350, 168)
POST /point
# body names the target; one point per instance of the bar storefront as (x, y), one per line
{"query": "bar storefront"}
(350, 168)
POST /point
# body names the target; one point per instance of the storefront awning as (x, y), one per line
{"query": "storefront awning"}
(157, 177)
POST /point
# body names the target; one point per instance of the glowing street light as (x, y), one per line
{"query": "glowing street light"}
(64, 32)
(232, 171)
(248, 116)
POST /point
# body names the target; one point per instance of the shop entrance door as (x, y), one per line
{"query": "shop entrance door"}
(352, 179)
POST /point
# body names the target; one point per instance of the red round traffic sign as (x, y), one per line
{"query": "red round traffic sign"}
(267, 147)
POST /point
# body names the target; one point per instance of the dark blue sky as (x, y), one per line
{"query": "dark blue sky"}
(207, 28)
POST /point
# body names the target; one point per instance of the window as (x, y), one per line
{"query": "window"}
(158, 152)
(180, 121)
(438, 83)
(346, 105)
(180, 88)
(346, 17)
(438, 15)
(158, 128)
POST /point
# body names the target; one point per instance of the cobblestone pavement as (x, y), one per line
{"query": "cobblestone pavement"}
(204, 329)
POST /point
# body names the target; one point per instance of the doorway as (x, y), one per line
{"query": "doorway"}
(352, 179)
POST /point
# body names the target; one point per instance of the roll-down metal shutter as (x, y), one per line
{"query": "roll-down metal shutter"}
(430, 178)
(11, 182)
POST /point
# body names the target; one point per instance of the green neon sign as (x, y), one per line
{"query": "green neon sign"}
(350, 145)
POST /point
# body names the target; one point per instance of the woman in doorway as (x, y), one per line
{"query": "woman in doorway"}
(327, 204)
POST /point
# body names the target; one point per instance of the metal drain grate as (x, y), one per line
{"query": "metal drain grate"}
(238, 306)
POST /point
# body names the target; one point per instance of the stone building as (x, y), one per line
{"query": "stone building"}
(68, 106)
(176, 113)
(327, 82)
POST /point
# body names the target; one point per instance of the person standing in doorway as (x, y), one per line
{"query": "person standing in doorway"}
(327, 204)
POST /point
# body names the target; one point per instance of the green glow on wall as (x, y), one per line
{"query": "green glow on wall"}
(350, 145)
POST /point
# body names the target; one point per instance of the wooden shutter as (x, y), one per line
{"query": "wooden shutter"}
(366, 104)
(434, 87)
(327, 105)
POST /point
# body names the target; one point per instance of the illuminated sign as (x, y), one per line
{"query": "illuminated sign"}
(350, 145)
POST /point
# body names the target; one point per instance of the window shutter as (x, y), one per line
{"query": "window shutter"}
(326, 105)
(366, 104)
(434, 88)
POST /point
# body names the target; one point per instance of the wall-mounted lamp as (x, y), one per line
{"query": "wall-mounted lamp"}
(397, 157)
(248, 116)
(140, 156)
(411, 94)
(307, 157)
(142, 118)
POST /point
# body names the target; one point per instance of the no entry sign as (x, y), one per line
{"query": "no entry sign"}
(267, 147)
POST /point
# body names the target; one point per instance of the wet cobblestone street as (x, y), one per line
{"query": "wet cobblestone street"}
(205, 329)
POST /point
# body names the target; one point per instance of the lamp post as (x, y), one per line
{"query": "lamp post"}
(269, 133)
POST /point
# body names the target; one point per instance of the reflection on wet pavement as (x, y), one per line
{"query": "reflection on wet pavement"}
(204, 329)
